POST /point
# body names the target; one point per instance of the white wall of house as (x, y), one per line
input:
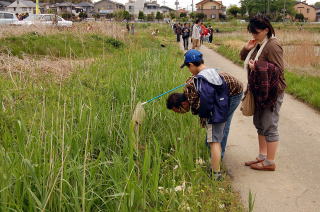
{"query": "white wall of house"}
(133, 7)
(19, 10)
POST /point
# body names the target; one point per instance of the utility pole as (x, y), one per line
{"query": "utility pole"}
(192, 6)
(177, 4)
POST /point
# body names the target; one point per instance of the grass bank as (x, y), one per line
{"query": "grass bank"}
(59, 45)
(68, 147)
(304, 87)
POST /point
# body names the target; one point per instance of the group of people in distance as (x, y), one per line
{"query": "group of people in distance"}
(198, 32)
(214, 96)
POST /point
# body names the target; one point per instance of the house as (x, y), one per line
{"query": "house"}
(212, 9)
(86, 7)
(3, 5)
(105, 7)
(318, 14)
(151, 7)
(166, 10)
(308, 11)
(64, 8)
(135, 6)
(22, 7)
(183, 10)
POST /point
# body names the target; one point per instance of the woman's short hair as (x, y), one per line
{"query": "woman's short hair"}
(260, 22)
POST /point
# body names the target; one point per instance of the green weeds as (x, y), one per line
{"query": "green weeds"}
(59, 45)
(69, 147)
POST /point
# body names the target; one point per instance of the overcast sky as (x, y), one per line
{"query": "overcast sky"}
(187, 3)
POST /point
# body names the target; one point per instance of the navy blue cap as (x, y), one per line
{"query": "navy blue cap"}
(191, 56)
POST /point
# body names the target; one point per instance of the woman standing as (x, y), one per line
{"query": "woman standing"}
(263, 58)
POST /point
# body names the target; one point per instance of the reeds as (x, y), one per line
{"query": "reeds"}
(109, 29)
(66, 146)
(301, 48)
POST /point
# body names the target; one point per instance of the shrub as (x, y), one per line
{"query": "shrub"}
(66, 16)
(299, 17)
(83, 15)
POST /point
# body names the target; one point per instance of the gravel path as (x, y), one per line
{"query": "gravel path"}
(295, 185)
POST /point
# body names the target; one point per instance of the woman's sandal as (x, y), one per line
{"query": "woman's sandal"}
(249, 163)
(262, 167)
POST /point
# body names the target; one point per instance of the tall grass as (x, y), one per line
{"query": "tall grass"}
(68, 146)
(60, 45)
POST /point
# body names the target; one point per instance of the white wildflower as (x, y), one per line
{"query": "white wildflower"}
(221, 189)
(200, 161)
(181, 187)
(175, 167)
(160, 188)
(221, 206)
(179, 139)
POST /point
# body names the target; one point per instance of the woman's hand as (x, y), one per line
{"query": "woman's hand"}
(250, 44)
(251, 64)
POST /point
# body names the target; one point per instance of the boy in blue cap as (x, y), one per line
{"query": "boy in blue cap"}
(213, 97)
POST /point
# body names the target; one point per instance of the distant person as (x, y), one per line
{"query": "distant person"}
(128, 27)
(196, 34)
(263, 62)
(185, 36)
(132, 29)
(178, 31)
(204, 33)
(210, 33)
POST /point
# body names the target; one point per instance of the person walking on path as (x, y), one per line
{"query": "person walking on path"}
(210, 33)
(263, 61)
(204, 33)
(206, 90)
(185, 36)
(178, 31)
(132, 28)
(196, 34)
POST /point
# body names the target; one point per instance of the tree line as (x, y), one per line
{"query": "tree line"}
(277, 10)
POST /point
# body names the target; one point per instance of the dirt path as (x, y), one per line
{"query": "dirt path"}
(295, 185)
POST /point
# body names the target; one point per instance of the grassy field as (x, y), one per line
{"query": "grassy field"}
(301, 58)
(67, 145)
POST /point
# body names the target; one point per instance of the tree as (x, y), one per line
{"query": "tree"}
(317, 4)
(141, 15)
(159, 16)
(172, 15)
(299, 17)
(126, 15)
(122, 15)
(83, 15)
(201, 16)
(182, 15)
(233, 10)
(192, 15)
(271, 8)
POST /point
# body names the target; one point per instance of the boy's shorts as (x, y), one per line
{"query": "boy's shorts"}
(215, 132)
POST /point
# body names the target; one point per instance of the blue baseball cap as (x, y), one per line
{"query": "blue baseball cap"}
(191, 56)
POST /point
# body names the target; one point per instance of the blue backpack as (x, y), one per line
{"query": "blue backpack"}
(214, 100)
